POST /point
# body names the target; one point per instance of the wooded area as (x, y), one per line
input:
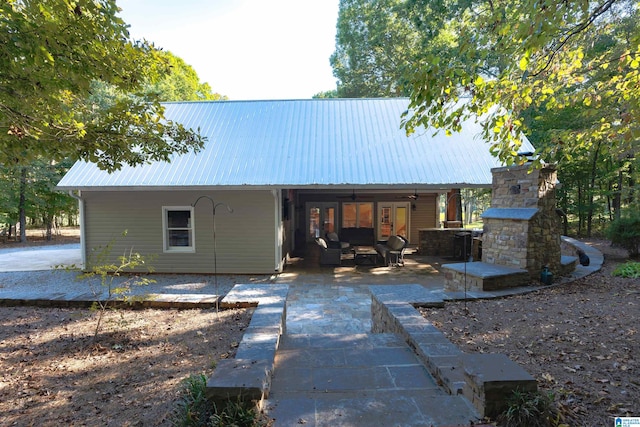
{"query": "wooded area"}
(73, 85)
(566, 75)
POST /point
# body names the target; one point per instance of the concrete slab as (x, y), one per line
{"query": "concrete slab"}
(414, 294)
(38, 258)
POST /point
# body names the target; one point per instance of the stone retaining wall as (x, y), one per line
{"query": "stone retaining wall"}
(247, 377)
(486, 380)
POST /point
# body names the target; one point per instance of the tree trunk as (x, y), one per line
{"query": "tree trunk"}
(592, 188)
(580, 210)
(631, 182)
(48, 222)
(21, 205)
(617, 197)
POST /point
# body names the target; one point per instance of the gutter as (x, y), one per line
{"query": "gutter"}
(83, 252)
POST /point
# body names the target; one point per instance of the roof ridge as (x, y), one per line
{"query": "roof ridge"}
(221, 101)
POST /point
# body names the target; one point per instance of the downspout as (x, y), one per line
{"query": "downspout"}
(83, 251)
(278, 229)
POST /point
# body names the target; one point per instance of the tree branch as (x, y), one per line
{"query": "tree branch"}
(576, 30)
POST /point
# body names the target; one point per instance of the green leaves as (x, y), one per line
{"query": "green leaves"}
(630, 269)
(181, 83)
(376, 43)
(53, 52)
(544, 56)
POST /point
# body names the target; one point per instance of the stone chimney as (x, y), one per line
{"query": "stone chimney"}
(522, 227)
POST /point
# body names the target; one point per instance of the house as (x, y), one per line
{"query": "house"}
(291, 170)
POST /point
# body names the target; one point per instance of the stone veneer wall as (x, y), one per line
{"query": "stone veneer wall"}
(437, 241)
(504, 242)
(528, 244)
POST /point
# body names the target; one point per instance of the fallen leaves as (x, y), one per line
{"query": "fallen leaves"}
(49, 376)
(578, 340)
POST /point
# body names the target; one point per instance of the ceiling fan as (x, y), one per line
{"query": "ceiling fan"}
(353, 196)
(413, 196)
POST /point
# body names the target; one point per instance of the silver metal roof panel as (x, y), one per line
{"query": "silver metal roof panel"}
(306, 143)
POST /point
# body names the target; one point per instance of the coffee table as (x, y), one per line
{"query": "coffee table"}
(365, 255)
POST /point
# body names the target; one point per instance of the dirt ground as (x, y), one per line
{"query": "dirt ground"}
(52, 373)
(37, 237)
(580, 341)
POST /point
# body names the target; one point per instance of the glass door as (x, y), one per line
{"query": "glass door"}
(321, 219)
(393, 219)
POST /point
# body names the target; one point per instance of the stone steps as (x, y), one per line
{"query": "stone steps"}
(486, 380)
(247, 377)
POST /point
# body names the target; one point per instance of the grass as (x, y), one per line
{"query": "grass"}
(195, 410)
(630, 269)
(530, 409)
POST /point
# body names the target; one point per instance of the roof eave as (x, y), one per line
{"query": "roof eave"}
(379, 186)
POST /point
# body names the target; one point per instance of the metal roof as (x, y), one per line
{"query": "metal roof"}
(314, 143)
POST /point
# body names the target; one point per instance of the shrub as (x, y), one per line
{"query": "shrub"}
(626, 233)
(629, 269)
(530, 409)
(195, 410)
(236, 414)
(107, 272)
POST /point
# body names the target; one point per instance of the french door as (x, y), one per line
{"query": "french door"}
(393, 219)
(321, 219)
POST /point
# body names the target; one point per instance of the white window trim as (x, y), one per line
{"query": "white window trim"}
(165, 241)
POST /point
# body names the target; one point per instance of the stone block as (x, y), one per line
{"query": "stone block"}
(247, 381)
(490, 379)
(482, 276)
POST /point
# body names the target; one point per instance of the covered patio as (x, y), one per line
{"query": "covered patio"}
(418, 269)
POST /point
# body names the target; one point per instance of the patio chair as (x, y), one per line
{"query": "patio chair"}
(392, 251)
(328, 256)
(396, 254)
(333, 241)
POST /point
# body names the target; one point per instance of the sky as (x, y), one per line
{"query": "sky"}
(245, 49)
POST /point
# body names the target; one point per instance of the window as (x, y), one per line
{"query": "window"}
(357, 215)
(178, 229)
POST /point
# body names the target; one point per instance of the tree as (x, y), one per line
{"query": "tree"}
(378, 41)
(326, 94)
(28, 192)
(514, 56)
(53, 50)
(374, 42)
(181, 83)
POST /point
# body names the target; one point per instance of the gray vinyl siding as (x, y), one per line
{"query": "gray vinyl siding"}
(245, 239)
(423, 216)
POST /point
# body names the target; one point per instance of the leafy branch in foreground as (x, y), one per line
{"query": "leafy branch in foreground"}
(117, 287)
(514, 57)
(53, 52)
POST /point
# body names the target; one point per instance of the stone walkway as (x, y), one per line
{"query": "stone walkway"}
(330, 370)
